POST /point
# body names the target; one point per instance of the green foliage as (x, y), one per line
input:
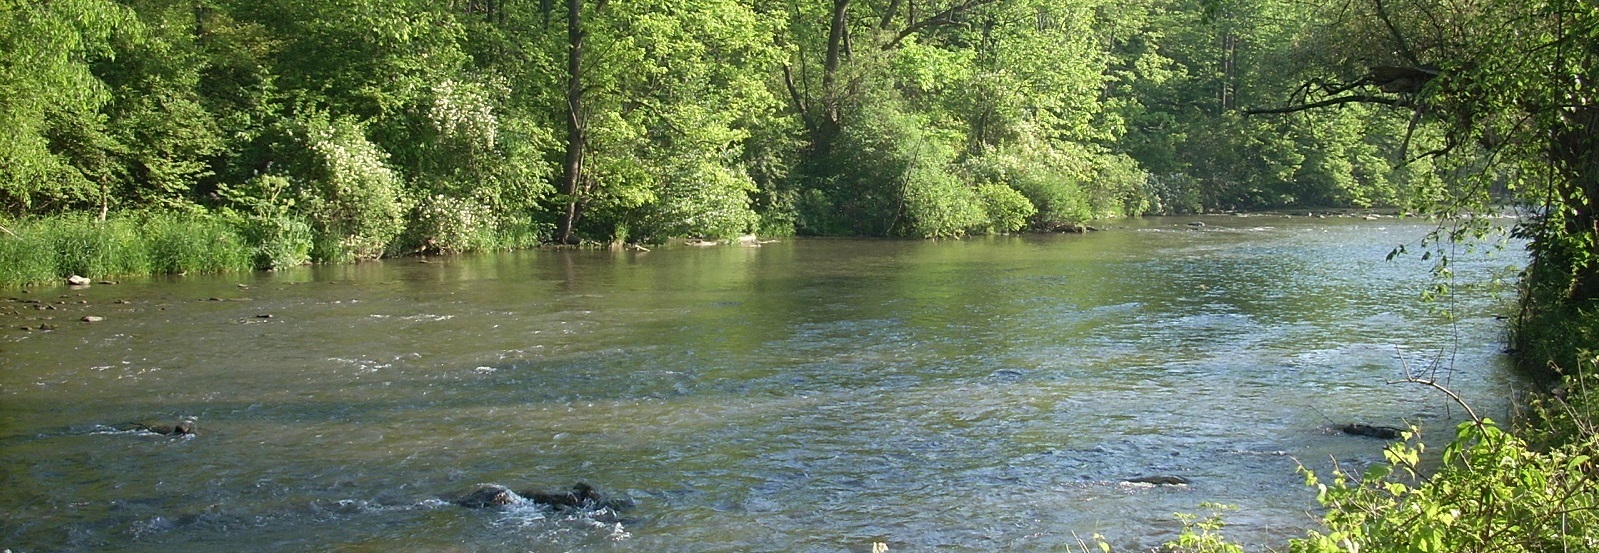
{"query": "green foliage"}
(890, 176)
(89, 247)
(1006, 209)
(26, 254)
(1569, 412)
(280, 241)
(703, 199)
(475, 148)
(671, 95)
(1066, 186)
(520, 232)
(936, 204)
(1493, 493)
(45, 78)
(47, 250)
(1203, 535)
(712, 117)
(442, 224)
(185, 242)
(389, 121)
(264, 208)
(165, 138)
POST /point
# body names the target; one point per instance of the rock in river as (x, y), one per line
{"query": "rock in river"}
(582, 496)
(184, 427)
(1383, 432)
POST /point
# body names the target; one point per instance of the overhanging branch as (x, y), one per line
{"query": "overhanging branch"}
(949, 16)
(1341, 100)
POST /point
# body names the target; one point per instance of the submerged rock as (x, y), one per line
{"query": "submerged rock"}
(582, 496)
(1159, 480)
(488, 495)
(184, 427)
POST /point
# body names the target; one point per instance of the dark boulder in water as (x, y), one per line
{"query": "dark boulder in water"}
(582, 496)
(1383, 432)
(488, 495)
(1160, 480)
(184, 427)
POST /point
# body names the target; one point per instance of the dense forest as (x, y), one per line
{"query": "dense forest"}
(347, 129)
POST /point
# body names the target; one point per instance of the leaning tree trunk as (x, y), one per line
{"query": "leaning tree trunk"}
(575, 141)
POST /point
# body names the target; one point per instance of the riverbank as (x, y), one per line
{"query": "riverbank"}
(48, 250)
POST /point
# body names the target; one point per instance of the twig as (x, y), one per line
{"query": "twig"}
(1411, 378)
(1323, 415)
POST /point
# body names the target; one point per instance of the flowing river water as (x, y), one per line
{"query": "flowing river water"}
(987, 394)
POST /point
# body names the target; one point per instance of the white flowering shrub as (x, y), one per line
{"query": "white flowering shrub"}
(474, 153)
(463, 114)
(354, 200)
(444, 224)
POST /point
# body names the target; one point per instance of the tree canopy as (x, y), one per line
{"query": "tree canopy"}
(388, 127)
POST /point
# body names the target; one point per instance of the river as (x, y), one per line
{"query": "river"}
(988, 394)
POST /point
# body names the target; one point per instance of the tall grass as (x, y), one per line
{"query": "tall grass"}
(195, 243)
(48, 249)
(45, 250)
(26, 255)
(86, 246)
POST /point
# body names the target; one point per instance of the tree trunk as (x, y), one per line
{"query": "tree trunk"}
(575, 139)
(1229, 70)
(824, 126)
(1575, 150)
(836, 33)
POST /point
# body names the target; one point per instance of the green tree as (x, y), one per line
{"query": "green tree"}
(1501, 81)
(668, 91)
(49, 100)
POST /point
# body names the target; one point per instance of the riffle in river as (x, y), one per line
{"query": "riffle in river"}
(989, 394)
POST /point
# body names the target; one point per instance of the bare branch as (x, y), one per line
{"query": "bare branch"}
(798, 99)
(1431, 383)
(888, 15)
(1411, 377)
(1399, 39)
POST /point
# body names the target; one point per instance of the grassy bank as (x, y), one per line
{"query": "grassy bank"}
(46, 250)
(38, 251)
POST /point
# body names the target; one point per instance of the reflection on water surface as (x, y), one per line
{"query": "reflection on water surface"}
(809, 395)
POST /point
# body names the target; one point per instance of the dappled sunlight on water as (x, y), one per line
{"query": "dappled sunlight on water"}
(809, 395)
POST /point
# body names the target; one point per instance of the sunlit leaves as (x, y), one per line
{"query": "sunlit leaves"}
(46, 49)
(1493, 494)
